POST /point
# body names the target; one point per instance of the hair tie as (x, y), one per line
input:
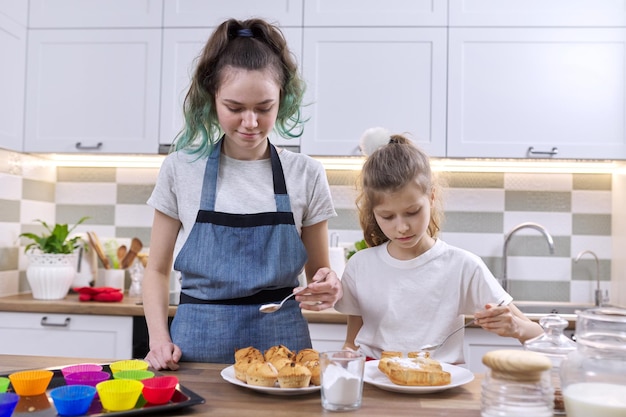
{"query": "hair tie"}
(373, 139)
(393, 140)
(245, 33)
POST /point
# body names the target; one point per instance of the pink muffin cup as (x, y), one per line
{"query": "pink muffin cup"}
(81, 367)
(91, 378)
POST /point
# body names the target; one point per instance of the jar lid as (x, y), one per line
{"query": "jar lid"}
(552, 342)
(517, 365)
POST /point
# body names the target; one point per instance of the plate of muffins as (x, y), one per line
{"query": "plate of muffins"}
(277, 371)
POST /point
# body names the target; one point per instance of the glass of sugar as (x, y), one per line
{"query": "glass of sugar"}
(342, 379)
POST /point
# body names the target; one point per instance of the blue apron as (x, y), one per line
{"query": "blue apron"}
(231, 264)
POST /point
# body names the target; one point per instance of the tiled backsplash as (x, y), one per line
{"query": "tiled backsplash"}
(480, 208)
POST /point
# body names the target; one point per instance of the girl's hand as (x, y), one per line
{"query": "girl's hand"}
(324, 291)
(164, 356)
(498, 320)
(507, 321)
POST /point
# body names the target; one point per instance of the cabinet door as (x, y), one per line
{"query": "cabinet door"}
(477, 342)
(95, 13)
(181, 47)
(376, 13)
(360, 78)
(93, 90)
(66, 335)
(188, 13)
(12, 79)
(516, 92)
(326, 336)
(529, 13)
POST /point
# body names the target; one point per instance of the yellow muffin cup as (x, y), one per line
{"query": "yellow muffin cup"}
(119, 394)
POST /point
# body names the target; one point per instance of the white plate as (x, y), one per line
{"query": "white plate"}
(229, 375)
(374, 376)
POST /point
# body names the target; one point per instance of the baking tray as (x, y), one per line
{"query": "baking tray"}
(42, 405)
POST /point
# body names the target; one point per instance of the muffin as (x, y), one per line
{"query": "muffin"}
(306, 355)
(262, 374)
(241, 367)
(314, 367)
(294, 375)
(276, 352)
(248, 353)
(390, 354)
(280, 362)
(419, 354)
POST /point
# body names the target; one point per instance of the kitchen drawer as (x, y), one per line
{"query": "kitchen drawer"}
(67, 335)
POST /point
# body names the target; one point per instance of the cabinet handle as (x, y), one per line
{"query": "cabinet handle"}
(532, 151)
(79, 145)
(44, 322)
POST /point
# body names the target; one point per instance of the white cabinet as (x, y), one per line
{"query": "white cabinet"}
(327, 336)
(376, 13)
(93, 90)
(194, 13)
(66, 335)
(95, 13)
(12, 73)
(534, 13)
(540, 92)
(359, 78)
(181, 47)
(477, 342)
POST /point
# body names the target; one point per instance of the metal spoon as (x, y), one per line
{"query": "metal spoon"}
(432, 348)
(272, 307)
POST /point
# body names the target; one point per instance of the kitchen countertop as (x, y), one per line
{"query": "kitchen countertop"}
(129, 306)
(224, 399)
(25, 303)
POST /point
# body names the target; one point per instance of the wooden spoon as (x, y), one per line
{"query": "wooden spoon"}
(95, 244)
(121, 252)
(135, 247)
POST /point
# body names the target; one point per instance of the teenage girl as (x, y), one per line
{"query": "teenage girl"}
(239, 218)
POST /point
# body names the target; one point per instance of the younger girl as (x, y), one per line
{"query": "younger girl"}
(409, 288)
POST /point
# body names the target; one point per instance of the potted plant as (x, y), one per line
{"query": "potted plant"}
(52, 260)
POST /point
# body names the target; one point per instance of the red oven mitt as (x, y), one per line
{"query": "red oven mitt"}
(106, 294)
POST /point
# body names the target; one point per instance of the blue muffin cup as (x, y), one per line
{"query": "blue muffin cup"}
(8, 402)
(72, 400)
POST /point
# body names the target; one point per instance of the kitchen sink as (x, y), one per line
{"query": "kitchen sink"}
(539, 307)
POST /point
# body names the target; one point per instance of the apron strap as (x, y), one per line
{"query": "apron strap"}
(207, 201)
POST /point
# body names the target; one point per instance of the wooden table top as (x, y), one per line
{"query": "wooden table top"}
(225, 399)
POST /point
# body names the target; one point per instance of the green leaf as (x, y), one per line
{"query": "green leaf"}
(56, 240)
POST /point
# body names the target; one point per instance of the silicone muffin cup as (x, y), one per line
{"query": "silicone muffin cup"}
(119, 394)
(91, 378)
(83, 367)
(4, 383)
(160, 389)
(30, 383)
(72, 400)
(129, 365)
(8, 401)
(136, 374)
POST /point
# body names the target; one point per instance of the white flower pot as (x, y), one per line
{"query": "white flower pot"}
(49, 275)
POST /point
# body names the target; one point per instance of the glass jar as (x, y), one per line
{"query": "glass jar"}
(516, 385)
(593, 377)
(136, 277)
(555, 346)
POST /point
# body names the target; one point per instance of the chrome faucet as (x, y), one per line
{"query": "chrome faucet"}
(529, 225)
(598, 294)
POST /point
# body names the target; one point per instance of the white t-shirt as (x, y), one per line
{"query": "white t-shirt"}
(406, 304)
(243, 187)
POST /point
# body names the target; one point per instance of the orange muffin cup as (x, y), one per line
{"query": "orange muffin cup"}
(30, 383)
